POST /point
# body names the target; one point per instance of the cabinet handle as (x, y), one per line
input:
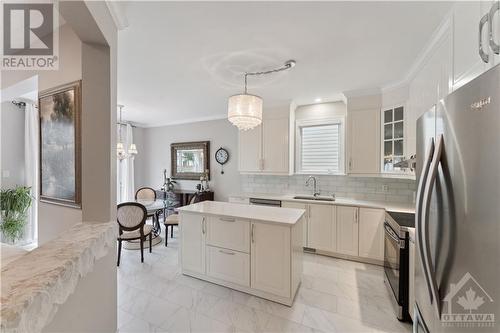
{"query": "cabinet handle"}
(484, 56)
(203, 226)
(494, 46)
(309, 211)
(227, 252)
(350, 164)
(356, 215)
(251, 233)
(227, 219)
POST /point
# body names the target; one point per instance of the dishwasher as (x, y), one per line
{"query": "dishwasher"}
(265, 202)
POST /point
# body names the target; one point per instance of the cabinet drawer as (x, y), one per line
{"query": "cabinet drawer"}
(228, 265)
(229, 233)
(244, 201)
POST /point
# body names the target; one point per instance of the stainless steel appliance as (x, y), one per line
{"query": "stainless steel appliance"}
(457, 264)
(265, 202)
(396, 259)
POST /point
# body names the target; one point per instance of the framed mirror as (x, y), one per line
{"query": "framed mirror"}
(190, 160)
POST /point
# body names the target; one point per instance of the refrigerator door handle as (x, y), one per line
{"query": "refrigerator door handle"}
(418, 211)
(431, 179)
(484, 56)
(494, 46)
(418, 321)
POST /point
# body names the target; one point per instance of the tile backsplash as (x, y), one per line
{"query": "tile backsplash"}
(361, 188)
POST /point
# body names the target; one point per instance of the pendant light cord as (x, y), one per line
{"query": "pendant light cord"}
(289, 64)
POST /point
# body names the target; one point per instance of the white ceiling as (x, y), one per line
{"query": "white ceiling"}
(178, 62)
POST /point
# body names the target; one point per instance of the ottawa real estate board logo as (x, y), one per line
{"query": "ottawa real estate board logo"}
(468, 305)
(30, 38)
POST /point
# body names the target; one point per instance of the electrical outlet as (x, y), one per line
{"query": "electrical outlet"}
(385, 188)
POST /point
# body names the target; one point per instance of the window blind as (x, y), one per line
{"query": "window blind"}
(320, 148)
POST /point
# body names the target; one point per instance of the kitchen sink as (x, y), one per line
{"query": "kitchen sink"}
(317, 197)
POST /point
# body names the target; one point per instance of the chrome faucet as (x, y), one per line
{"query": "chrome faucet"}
(315, 183)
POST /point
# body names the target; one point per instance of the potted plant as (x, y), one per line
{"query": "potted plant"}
(14, 205)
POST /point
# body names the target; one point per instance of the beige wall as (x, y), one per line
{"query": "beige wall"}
(154, 154)
(54, 219)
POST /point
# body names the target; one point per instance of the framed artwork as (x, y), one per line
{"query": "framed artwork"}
(190, 160)
(60, 144)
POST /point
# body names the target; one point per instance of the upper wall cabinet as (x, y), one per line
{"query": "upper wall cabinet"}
(468, 18)
(363, 137)
(264, 150)
(364, 141)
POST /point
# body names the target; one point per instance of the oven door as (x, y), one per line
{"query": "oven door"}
(392, 259)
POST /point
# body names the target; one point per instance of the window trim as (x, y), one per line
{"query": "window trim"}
(382, 137)
(298, 144)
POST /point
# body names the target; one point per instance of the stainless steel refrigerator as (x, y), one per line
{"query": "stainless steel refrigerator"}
(457, 265)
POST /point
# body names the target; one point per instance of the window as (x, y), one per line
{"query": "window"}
(320, 146)
(393, 138)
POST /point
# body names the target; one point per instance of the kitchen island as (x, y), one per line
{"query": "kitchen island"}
(253, 249)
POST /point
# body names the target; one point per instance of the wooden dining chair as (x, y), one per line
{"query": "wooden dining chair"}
(131, 218)
(173, 219)
(145, 193)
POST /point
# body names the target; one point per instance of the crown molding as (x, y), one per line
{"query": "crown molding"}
(118, 14)
(442, 31)
(187, 121)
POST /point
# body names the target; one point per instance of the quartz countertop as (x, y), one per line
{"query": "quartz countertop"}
(288, 216)
(388, 206)
(37, 283)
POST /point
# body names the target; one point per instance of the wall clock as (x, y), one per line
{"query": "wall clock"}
(222, 156)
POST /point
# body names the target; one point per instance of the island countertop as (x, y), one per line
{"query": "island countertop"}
(257, 213)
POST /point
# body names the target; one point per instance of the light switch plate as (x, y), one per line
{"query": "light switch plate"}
(6, 174)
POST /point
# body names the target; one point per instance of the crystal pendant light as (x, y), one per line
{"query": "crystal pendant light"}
(245, 110)
(121, 153)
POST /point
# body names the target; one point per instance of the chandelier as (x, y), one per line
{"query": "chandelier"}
(245, 110)
(121, 153)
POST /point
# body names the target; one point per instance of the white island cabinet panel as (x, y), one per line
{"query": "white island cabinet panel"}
(228, 265)
(193, 228)
(271, 254)
(253, 249)
(229, 233)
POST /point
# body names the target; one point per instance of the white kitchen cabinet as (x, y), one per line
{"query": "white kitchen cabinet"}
(347, 230)
(363, 141)
(239, 200)
(298, 205)
(228, 265)
(265, 149)
(193, 230)
(275, 145)
(250, 150)
(371, 233)
(269, 271)
(228, 233)
(467, 64)
(321, 227)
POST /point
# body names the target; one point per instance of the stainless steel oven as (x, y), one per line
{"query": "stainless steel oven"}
(396, 259)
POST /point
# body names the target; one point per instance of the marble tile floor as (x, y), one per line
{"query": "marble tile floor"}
(335, 296)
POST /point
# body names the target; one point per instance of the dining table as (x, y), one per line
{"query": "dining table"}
(155, 209)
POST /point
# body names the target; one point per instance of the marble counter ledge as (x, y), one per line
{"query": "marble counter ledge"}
(36, 284)
(389, 206)
(259, 213)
